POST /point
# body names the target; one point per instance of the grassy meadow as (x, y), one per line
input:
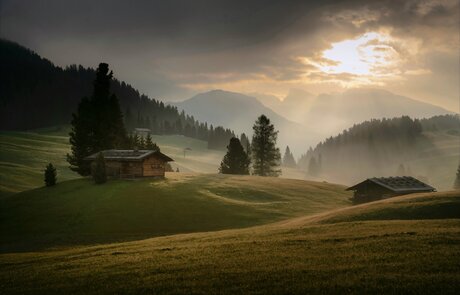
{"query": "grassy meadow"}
(24, 155)
(359, 249)
(80, 212)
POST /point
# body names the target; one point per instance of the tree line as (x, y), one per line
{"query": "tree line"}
(377, 147)
(35, 93)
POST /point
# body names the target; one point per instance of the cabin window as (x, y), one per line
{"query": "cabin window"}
(156, 166)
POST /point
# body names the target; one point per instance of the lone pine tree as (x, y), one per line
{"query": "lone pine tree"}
(50, 175)
(236, 161)
(265, 155)
(98, 123)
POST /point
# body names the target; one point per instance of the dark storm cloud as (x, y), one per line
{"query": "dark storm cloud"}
(160, 45)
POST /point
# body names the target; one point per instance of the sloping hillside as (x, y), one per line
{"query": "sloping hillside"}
(335, 112)
(24, 155)
(80, 212)
(35, 93)
(415, 256)
(428, 149)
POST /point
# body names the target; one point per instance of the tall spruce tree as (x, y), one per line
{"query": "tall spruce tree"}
(236, 161)
(457, 179)
(98, 124)
(265, 155)
(288, 159)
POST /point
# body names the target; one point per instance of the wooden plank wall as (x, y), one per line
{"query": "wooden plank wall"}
(153, 167)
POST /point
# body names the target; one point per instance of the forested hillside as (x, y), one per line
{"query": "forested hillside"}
(426, 148)
(35, 93)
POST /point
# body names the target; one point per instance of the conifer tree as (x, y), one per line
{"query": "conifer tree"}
(136, 141)
(245, 142)
(81, 144)
(265, 155)
(457, 179)
(141, 143)
(98, 170)
(149, 144)
(288, 159)
(236, 161)
(50, 175)
(98, 124)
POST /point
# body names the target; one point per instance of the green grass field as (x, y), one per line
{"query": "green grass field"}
(208, 233)
(80, 212)
(24, 155)
(360, 249)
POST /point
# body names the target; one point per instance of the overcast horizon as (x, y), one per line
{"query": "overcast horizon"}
(174, 50)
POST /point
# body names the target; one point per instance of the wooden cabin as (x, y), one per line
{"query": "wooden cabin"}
(373, 189)
(133, 163)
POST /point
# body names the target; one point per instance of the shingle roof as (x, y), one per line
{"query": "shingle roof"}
(398, 184)
(130, 155)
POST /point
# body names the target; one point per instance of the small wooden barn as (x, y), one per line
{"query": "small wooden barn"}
(373, 189)
(133, 163)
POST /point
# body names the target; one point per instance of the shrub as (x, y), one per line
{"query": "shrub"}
(50, 175)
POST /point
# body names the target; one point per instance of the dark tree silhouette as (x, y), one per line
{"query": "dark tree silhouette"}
(30, 82)
(265, 155)
(236, 161)
(288, 159)
(80, 139)
(98, 170)
(50, 175)
(457, 179)
(150, 145)
(98, 124)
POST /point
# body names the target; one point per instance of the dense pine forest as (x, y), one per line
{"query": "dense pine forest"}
(35, 93)
(379, 147)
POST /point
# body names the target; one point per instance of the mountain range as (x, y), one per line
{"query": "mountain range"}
(302, 118)
(239, 112)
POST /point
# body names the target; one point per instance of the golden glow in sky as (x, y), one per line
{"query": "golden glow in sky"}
(370, 54)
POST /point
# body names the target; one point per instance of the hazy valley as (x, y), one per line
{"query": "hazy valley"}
(222, 147)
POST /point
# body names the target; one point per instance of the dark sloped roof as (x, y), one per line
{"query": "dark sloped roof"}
(398, 184)
(130, 155)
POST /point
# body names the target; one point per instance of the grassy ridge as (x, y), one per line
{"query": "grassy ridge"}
(23, 157)
(80, 212)
(419, 256)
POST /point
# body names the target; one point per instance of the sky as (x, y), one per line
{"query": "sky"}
(172, 49)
